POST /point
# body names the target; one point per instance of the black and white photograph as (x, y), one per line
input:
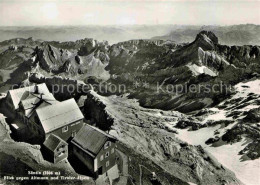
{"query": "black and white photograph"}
(129, 92)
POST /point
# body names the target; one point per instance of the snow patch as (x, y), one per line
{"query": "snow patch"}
(219, 114)
(190, 183)
(33, 58)
(249, 107)
(197, 70)
(243, 89)
(246, 171)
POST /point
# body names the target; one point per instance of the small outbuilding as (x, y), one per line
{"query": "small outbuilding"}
(95, 148)
(54, 149)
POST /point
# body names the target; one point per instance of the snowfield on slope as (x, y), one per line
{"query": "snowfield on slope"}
(246, 171)
(227, 154)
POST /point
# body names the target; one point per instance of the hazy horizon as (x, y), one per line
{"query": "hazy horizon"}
(132, 25)
(127, 13)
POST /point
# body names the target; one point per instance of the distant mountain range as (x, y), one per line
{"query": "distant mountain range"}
(246, 34)
(112, 34)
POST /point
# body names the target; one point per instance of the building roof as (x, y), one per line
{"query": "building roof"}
(30, 112)
(20, 94)
(31, 101)
(91, 139)
(53, 141)
(59, 115)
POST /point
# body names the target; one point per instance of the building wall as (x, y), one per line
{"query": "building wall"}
(35, 129)
(85, 158)
(73, 127)
(111, 158)
(53, 156)
(28, 131)
(9, 102)
(47, 154)
(9, 111)
(62, 148)
(94, 164)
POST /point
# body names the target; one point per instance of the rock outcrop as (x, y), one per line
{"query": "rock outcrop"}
(88, 61)
(95, 111)
(207, 40)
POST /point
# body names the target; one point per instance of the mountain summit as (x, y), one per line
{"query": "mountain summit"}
(207, 40)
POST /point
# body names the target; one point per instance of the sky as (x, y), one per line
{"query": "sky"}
(127, 12)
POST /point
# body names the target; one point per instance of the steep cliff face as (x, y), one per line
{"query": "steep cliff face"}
(207, 40)
(95, 111)
(49, 57)
(211, 60)
(202, 52)
(241, 56)
(87, 58)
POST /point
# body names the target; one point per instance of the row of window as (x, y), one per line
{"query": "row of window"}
(65, 129)
(60, 154)
(61, 148)
(75, 124)
(107, 154)
(107, 145)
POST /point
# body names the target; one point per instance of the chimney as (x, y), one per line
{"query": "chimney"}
(36, 89)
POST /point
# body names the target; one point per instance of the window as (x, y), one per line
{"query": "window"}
(73, 134)
(112, 150)
(107, 164)
(61, 153)
(107, 144)
(61, 148)
(65, 129)
(75, 124)
(101, 158)
(107, 154)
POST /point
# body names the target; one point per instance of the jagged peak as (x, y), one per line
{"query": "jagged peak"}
(207, 36)
(207, 40)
